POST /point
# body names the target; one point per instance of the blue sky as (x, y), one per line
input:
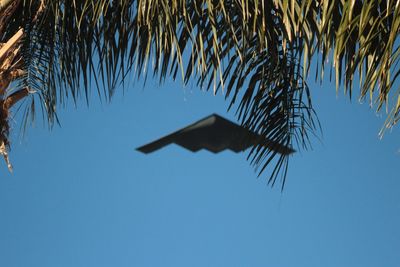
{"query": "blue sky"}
(81, 195)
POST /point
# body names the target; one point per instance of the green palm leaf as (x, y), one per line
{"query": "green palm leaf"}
(257, 52)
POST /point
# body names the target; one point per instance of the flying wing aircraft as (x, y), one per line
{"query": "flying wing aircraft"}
(214, 133)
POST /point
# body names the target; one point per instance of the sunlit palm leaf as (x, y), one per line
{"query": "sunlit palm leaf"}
(257, 52)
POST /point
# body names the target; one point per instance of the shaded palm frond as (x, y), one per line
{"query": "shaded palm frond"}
(258, 67)
(362, 37)
(258, 52)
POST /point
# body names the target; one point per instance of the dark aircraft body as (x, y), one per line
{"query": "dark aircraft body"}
(214, 133)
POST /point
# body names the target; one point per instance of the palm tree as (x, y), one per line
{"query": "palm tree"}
(258, 52)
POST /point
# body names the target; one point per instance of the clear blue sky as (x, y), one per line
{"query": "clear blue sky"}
(82, 196)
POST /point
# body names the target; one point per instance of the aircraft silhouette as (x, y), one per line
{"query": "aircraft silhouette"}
(214, 133)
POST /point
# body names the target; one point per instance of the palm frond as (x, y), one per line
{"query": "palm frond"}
(258, 52)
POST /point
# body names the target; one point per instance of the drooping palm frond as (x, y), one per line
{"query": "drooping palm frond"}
(362, 37)
(258, 52)
(256, 66)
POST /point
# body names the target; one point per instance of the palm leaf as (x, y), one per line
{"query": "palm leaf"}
(258, 52)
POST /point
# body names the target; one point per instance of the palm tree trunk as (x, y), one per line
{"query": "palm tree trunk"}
(4, 4)
(10, 69)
